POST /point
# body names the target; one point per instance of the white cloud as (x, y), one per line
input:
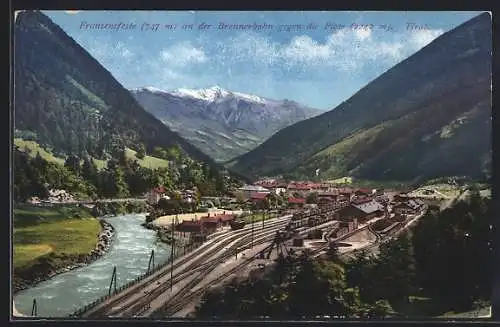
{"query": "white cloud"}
(363, 33)
(105, 51)
(344, 50)
(183, 54)
(421, 38)
(123, 51)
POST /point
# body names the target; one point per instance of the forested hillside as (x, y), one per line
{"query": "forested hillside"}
(122, 176)
(77, 128)
(65, 100)
(428, 116)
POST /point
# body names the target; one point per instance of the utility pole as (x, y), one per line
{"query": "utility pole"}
(113, 281)
(172, 259)
(34, 309)
(151, 264)
(252, 231)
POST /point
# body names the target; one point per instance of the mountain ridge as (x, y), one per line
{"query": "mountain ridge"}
(453, 61)
(222, 123)
(53, 73)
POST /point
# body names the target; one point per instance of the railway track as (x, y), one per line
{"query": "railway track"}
(187, 265)
(185, 294)
(180, 303)
(197, 275)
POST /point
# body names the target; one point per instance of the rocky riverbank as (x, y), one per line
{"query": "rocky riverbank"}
(52, 266)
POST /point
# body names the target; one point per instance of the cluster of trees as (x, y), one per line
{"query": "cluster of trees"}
(121, 177)
(295, 288)
(445, 259)
(33, 176)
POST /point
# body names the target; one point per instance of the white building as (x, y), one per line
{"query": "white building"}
(247, 190)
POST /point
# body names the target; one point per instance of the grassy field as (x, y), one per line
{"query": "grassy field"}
(59, 232)
(342, 180)
(35, 148)
(148, 161)
(440, 190)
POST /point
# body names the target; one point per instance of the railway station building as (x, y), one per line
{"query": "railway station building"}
(362, 211)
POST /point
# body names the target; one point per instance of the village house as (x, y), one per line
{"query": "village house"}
(200, 228)
(198, 231)
(346, 193)
(302, 188)
(325, 187)
(188, 196)
(330, 196)
(247, 190)
(257, 197)
(277, 186)
(155, 194)
(222, 220)
(295, 187)
(410, 207)
(280, 188)
(296, 202)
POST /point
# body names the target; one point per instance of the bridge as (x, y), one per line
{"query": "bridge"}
(88, 202)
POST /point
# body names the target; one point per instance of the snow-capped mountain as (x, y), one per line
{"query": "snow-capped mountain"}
(221, 123)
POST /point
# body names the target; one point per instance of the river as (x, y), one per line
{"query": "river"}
(130, 253)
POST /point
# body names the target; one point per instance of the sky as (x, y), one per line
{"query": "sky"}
(317, 58)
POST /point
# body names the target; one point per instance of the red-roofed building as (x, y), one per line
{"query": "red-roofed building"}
(314, 186)
(346, 191)
(329, 196)
(324, 187)
(208, 224)
(258, 196)
(156, 194)
(217, 221)
(189, 226)
(299, 187)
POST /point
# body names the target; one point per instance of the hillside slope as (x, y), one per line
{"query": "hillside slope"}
(221, 123)
(428, 116)
(68, 102)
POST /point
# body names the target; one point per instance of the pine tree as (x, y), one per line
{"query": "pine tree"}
(73, 163)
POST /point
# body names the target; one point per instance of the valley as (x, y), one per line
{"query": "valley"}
(212, 203)
(425, 112)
